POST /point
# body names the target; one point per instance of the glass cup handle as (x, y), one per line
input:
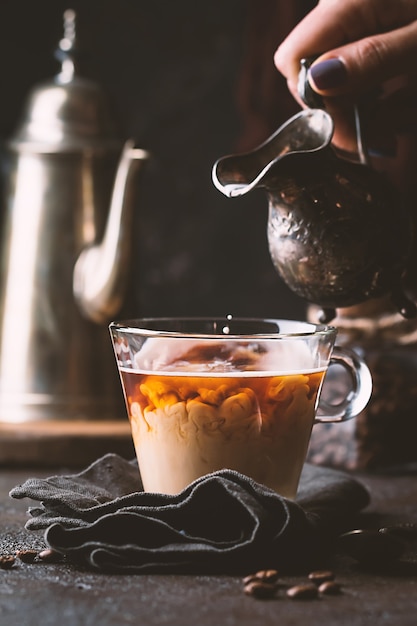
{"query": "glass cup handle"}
(357, 397)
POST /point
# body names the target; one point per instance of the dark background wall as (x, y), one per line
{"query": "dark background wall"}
(190, 81)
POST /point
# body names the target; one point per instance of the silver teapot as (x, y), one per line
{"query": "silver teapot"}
(66, 249)
(338, 232)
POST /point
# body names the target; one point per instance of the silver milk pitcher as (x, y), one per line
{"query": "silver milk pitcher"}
(338, 232)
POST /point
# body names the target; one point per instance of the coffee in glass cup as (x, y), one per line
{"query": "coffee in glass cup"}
(243, 394)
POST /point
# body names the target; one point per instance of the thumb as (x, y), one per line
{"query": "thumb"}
(359, 66)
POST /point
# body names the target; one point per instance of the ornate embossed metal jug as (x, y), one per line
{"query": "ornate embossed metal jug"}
(337, 231)
(66, 251)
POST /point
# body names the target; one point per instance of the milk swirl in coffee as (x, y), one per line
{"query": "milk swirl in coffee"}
(198, 407)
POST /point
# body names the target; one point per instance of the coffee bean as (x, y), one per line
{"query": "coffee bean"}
(27, 556)
(307, 591)
(50, 556)
(7, 561)
(260, 589)
(249, 579)
(267, 575)
(320, 576)
(330, 588)
(371, 547)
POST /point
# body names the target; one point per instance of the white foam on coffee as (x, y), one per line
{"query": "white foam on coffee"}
(161, 355)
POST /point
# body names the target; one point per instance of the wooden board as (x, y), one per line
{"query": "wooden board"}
(64, 443)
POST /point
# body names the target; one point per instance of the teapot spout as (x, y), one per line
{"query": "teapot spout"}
(101, 270)
(308, 131)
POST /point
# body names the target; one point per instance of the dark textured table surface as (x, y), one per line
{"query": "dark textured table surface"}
(52, 594)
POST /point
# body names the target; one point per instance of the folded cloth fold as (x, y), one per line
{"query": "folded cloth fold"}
(222, 523)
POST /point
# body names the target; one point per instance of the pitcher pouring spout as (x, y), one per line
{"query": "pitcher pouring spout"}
(309, 131)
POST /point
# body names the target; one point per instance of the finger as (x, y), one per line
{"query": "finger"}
(344, 135)
(367, 63)
(335, 23)
(328, 25)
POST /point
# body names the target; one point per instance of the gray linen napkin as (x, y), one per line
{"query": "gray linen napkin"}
(222, 523)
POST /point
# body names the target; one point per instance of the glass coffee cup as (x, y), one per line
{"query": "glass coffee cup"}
(206, 394)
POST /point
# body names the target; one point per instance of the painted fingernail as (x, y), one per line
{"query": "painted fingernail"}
(328, 74)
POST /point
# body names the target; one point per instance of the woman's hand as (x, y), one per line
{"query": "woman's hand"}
(361, 46)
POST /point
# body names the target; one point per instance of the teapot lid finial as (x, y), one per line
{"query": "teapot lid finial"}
(68, 113)
(66, 51)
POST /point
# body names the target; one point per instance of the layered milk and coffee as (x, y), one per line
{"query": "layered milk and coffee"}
(200, 406)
